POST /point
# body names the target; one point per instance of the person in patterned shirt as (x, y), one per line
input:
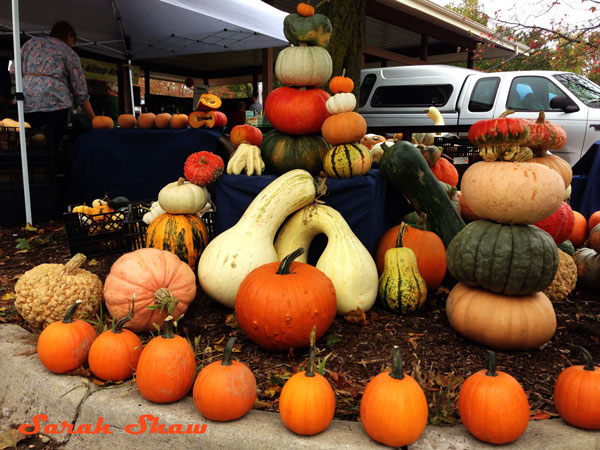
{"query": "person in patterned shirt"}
(53, 80)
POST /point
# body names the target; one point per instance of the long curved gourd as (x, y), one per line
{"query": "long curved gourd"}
(345, 259)
(233, 254)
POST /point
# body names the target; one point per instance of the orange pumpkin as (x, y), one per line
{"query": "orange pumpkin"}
(577, 394)
(556, 163)
(465, 211)
(580, 230)
(167, 367)
(445, 171)
(545, 135)
(225, 390)
(305, 10)
(156, 277)
(208, 102)
(102, 123)
(210, 119)
(393, 408)
(63, 346)
(493, 405)
(272, 301)
(369, 140)
(594, 220)
(344, 128)
(126, 121)
(341, 84)
(428, 247)
(163, 121)
(179, 121)
(115, 353)
(147, 120)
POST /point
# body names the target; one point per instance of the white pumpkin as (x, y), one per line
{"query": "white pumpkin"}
(182, 197)
(303, 66)
(342, 102)
(155, 211)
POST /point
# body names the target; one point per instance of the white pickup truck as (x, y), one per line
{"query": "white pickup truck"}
(398, 96)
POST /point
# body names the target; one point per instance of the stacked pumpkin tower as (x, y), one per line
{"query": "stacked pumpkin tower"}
(503, 262)
(298, 109)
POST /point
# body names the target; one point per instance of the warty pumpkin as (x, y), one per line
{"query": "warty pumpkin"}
(560, 224)
(493, 405)
(577, 394)
(345, 259)
(512, 192)
(225, 390)
(203, 168)
(505, 259)
(544, 135)
(303, 66)
(344, 128)
(500, 132)
(393, 407)
(167, 366)
(233, 254)
(272, 302)
(284, 152)
(565, 279)
(347, 160)
(444, 170)
(155, 277)
(501, 321)
(63, 345)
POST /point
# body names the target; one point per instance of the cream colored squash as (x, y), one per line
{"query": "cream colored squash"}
(341, 102)
(345, 259)
(182, 197)
(303, 66)
(233, 254)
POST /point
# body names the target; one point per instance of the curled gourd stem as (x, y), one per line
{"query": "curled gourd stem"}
(506, 113)
(587, 356)
(119, 325)
(180, 181)
(74, 263)
(491, 370)
(71, 312)
(167, 330)
(284, 266)
(227, 353)
(401, 231)
(310, 371)
(397, 370)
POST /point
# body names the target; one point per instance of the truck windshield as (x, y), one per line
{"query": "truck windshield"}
(585, 90)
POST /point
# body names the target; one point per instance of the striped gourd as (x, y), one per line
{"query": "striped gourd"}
(182, 234)
(347, 160)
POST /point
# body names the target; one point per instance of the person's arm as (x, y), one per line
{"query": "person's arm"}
(88, 110)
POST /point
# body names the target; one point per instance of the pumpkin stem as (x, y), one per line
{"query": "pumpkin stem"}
(74, 263)
(71, 312)
(541, 117)
(310, 371)
(344, 72)
(401, 231)
(227, 353)
(180, 181)
(491, 371)
(167, 330)
(163, 299)
(587, 356)
(284, 266)
(119, 325)
(397, 370)
(421, 221)
(506, 113)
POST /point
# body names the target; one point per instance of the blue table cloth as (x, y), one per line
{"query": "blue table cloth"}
(132, 163)
(585, 186)
(365, 202)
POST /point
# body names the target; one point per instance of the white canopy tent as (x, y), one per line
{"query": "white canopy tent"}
(141, 29)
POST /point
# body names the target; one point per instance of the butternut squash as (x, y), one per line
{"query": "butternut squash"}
(233, 254)
(345, 259)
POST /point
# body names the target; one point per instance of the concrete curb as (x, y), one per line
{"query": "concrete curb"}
(28, 389)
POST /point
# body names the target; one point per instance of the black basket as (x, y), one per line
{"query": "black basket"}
(460, 151)
(120, 231)
(209, 219)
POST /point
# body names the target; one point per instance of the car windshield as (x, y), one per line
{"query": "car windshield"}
(585, 90)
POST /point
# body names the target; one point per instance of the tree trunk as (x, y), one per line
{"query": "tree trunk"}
(347, 37)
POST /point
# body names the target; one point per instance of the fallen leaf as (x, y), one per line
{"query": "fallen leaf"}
(270, 391)
(93, 262)
(9, 296)
(540, 416)
(231, 321)
(30, 227)
(332, 339)
(260, 404)
(10, 438)
(357, 317)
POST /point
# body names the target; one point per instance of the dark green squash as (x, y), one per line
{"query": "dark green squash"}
(312, 30)
(283, 152)
(567, 247)
(431, 153)
(587, 261)
(404, 166)
(505, 259)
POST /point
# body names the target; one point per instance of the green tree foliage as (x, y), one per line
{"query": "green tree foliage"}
(471, 9)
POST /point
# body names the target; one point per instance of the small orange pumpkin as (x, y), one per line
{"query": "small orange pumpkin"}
(445, 171)
(64, 345)
(344, 128)
(580, 230)
(493, 405)
(307, 401)
(594, 220)
(393, 408)
(577, 394)
(369, 140)
(225, 390)
(167, 367)
(341, 84)
(115, 353)
(305, 10)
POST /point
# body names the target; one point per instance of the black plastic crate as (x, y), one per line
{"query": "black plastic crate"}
(460, 151)
(103, 234)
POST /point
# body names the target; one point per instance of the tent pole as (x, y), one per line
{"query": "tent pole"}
(20, 98)
(130, 69)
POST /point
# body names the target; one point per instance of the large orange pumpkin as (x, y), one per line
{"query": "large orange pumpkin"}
(297, 111)
(428, 247)
(154, 276)
(344, 128)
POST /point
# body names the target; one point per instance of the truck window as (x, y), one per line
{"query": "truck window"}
(411, 95)
(531, 94)
(366, 87)
(484, 93)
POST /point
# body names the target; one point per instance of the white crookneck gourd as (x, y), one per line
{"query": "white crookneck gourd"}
(345, 259)
(233, 254)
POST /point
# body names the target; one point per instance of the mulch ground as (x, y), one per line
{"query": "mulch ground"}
(433, 353)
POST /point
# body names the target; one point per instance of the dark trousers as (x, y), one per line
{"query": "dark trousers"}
(56, 120)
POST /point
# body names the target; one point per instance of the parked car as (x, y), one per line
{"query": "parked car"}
(397, 96)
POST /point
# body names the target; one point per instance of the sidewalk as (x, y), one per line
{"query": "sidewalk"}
(28, 389)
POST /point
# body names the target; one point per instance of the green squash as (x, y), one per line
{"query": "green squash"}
(404, 166)
(587, 261)
(431, 153)
(505, 259)
(284, 152)
(567, 247)
(402, 289)
(347, 160)
(312, 30)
